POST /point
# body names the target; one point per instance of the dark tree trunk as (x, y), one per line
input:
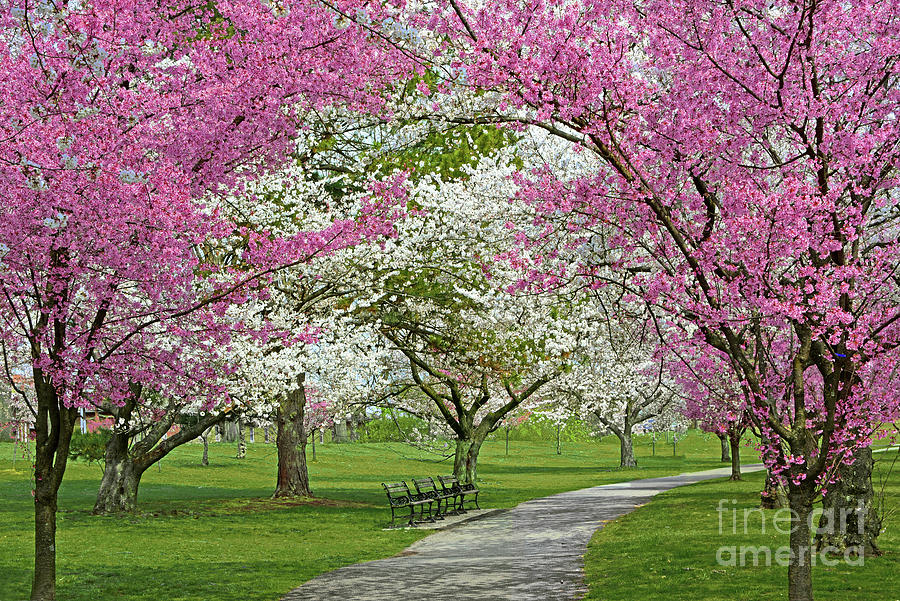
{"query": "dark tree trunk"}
(121, 478)
(293, 477)
(558, 442)
(54, 427)
(266, 434)
(626, 447)
(850, 519)
(734, 438)
(800, 566)
(726, 453)
(465, 462)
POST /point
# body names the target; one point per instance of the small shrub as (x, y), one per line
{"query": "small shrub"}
(90, 446)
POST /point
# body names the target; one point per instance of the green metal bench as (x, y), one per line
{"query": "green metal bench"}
(450, 485)
(427, 487)
(400, 497)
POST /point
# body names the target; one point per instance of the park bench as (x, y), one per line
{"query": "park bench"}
(450, 484)
(400, 497)
(427, 487)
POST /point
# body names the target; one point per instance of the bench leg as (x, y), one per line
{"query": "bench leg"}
(438, 515)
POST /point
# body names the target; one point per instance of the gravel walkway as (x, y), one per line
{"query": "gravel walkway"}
(531, 552)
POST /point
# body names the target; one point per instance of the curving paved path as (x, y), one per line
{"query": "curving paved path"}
(531, 552)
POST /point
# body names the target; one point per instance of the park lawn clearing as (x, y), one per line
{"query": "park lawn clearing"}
(667, 549)
(205, 533)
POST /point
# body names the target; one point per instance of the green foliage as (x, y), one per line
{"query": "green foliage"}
(538, 428)
(90, 446)
(385, 428)
(447, 152)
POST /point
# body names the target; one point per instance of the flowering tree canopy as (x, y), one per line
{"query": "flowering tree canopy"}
(116, 118)
(747, 158)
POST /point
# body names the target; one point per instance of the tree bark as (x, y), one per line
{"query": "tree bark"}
(800, 566)
(121, 478)
(626, 443)
(726, 453)
(204, 461)
(850, 518)
(242, 441)
(54, 426)
(293, 476)
(626, 447)
(734, 438)
(465, 462)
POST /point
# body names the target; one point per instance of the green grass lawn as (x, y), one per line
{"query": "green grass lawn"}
(667, 549)
(211, 533)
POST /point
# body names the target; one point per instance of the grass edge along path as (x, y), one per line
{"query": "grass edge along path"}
(213, 533)
(668, 549)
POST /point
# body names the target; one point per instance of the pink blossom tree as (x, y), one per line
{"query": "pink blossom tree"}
(746, 159)
(715, 401)
(115, 118)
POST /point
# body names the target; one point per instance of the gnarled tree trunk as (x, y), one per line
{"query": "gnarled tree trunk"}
(850, 519)
(121, 478)
(293, 476)
(126, 461)
(465, 462)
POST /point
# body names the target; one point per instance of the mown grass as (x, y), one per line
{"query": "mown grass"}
(667, 549)
(212, 533)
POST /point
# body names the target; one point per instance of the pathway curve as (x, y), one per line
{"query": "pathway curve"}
(531, 552)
